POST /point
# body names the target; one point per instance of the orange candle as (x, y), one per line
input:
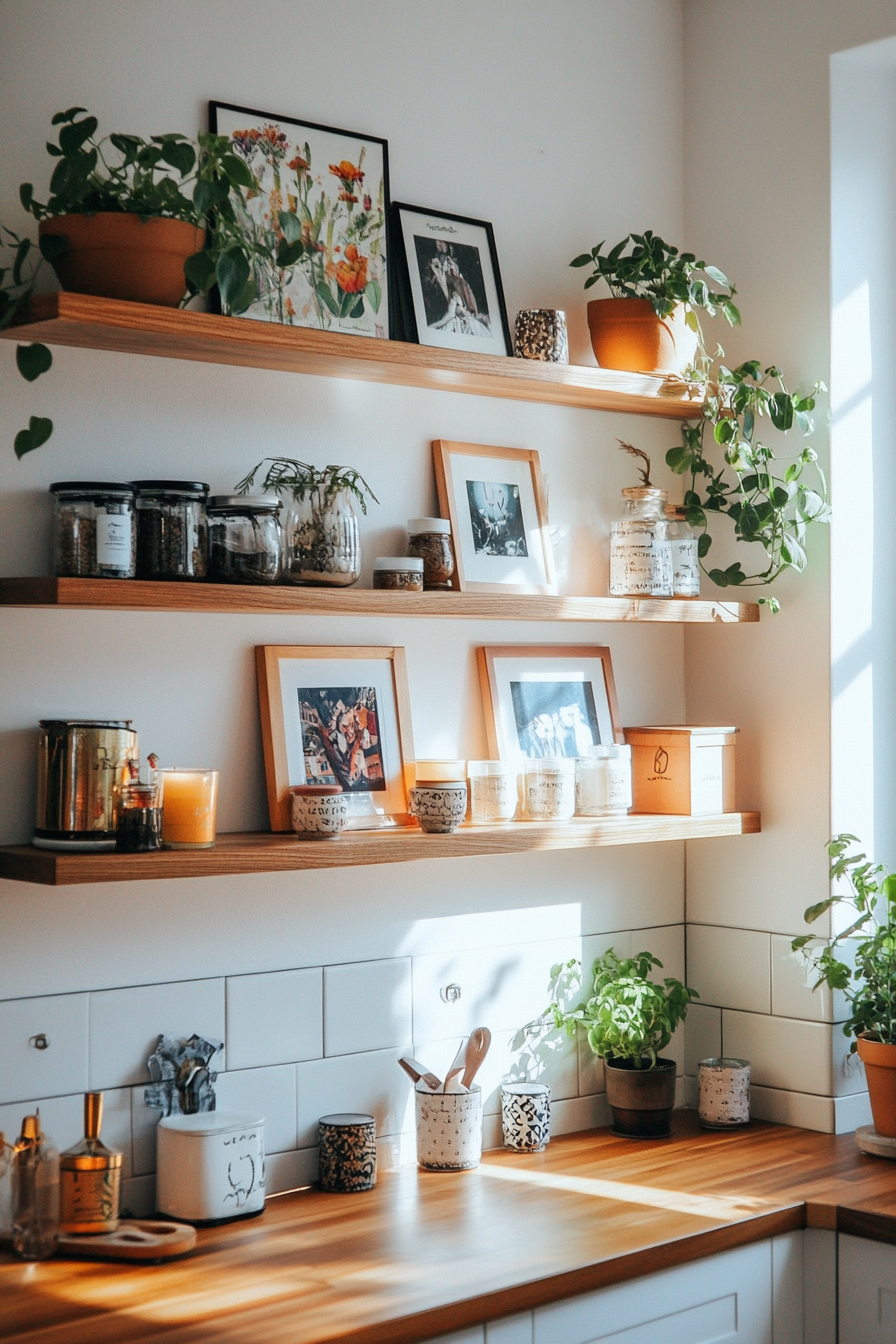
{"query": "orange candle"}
(189, 807)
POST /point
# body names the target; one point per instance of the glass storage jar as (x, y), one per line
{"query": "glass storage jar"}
(244, 538)
(640, 555)
(172, 529)
(323, 540)
(604, 781)
(95, 535)
(429, 539)
(494, 791)
(549, 789)
(401, 573)
(683, 547)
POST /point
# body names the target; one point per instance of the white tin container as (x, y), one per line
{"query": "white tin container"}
(210, 1166)
(449, 1129)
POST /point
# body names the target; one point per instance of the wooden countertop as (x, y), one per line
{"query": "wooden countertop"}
(427, 1253)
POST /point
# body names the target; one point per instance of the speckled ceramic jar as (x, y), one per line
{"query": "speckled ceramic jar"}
(540, 333)
(449, 1129)
(439, 808)
(347, 1153)
(723, 1093)
(319, 811)
(526, 1116)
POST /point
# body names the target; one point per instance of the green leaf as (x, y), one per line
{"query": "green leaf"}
(781, 411)
(26, 195)
(679, 459)
(33, 360)
(237, 171)
(22, 251)
(232, 274)
(288, 253)
(584, 259)
(291, 226)
(206, 195)
(72, 137)
(179, 155)
(199, 271)
(798, 943)
(323, 293)
(374, 293)
(719, 578)
(358, 310)
(52, 246)
(53, 150)
(719, 276)
(703, 545)
(38, 431)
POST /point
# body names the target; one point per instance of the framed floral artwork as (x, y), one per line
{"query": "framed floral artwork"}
(449, 281)
(338, 716)
(494, 498)
(544, 700)
(336, 184)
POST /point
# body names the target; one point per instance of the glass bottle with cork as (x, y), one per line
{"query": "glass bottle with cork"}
(640, 553)
(35, 1192)
(90, 1178)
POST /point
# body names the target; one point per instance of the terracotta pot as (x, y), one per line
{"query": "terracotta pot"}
(627, 334)
(880, 1071)
(641, 1099)
(117, 256)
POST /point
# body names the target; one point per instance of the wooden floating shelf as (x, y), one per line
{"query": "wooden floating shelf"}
(266, 853)
(140, 595)
(145, 329)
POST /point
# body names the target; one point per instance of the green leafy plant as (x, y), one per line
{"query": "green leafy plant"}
(868, 983)
(626, 1016)
(734, 474)
(300, 480)
(655, 270)
(24, 262)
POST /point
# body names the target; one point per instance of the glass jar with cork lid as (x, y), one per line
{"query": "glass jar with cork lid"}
(640, 554)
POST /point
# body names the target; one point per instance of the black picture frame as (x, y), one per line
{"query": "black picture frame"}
(384, 262)
(409, 275)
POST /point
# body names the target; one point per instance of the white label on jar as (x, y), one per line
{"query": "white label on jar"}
(685, 568)
(640, 566)
(113, 539)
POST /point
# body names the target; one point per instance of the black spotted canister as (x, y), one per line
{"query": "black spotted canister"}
(347, 1153)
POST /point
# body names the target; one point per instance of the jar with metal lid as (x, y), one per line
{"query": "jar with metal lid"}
(244, 538)
(429, 539)
(399, 572)
(683, 547)
(95, 535)
(172, 529)
(640, 555)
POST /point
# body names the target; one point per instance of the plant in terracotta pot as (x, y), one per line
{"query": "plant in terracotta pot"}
(628, 1020)
(650, 324)
(868, 978)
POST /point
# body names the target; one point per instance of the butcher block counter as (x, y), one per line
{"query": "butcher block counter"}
(428, 1253)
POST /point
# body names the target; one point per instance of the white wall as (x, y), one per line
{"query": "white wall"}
(562, 127)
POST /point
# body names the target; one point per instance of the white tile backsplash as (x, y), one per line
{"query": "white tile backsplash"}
(371, 1083)
(850, 1112)
(125, 1025)
(703, 1035)
(290, 1171)
(367, 1006)
(26, 1071)
(61, 1118)
(802, 1109)
(729, 968)
(274, 1018)
(144, 1122)
(512, 1330)
(667, 944)
(792, 981)
(268, 1092)
(138, 1196)
(795, 1055)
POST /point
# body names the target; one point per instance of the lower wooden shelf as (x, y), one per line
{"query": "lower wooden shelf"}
(261, 852)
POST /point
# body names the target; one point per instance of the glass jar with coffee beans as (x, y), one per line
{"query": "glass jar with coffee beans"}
(95, 532)
(430, 540)
(172, 529)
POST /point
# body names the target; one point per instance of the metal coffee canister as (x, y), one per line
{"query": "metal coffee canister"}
(82, 765)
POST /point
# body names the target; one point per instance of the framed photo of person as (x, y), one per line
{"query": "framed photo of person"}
(548, 699)
(495, 500)
(449, 281)
(338, 716)
(336, 185)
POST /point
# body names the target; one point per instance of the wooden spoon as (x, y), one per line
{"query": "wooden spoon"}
(456, 1067)
(418, 1073)
(477, 1049)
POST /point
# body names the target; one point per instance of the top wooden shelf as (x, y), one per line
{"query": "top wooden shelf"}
(144, 329)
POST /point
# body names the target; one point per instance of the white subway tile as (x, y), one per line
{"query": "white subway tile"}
(729, 968)
(703, 1035)
(568, 1117)
(138, 1197)
(367, 1006)
(144, 1122)
(851, 1112)
(26, 1071)
(667, 944)
(371, 1083)
(269, 1092)
(802, 1109)
(591, 1068)
(275, 1018)
(290, 1171)
(492, 1131)
(61, 1118)
(795, 1055)
(512, 1330)
(116, 1131)
(125, 1025)
(792, 981)
(594, 945)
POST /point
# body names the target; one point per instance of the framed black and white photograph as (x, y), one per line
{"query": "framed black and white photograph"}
(340, 717)
(548, 700)
(494, 498)
(336, 184)
(450, 282)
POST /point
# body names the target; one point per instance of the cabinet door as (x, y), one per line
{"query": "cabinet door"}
(867, 1281)
(724, 1297)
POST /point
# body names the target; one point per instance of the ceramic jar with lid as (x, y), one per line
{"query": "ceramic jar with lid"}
(172, 529)
(400, 573)
(430, 540)
(244, 538)
(95, 535)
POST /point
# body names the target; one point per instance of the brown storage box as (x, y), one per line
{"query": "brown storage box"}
(682, 770)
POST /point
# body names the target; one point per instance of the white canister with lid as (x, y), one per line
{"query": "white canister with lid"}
(604, 781)
(210, 1166)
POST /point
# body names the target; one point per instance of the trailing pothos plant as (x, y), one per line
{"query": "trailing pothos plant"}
(626, 1015)
(734, 474)
(869, 981)
(21, 262)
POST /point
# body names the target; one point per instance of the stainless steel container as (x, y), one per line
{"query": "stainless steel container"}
(81, 768)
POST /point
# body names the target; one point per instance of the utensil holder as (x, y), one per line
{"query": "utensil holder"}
(723, 1093)
(526, 1116)
(449, 1129)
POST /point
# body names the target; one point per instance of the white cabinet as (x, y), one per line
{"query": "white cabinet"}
(867, 1277)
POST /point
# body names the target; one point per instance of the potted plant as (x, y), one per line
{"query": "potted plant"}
(628, 1019)
(322, 535)
(867, 979)
(650, 324)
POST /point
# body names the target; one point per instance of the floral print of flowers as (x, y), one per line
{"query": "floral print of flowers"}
(351, 272)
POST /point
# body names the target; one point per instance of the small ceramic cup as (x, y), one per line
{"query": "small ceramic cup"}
(347, 1153)
(449, 1129)
(723, 1093)
(440, 808)
(526, 1116)
(319, 811)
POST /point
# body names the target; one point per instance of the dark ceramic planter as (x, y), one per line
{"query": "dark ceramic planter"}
(641, 1099)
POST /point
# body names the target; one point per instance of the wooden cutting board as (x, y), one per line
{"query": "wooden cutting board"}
(134, 1239)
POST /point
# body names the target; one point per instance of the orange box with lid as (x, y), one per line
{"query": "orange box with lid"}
(682, 769)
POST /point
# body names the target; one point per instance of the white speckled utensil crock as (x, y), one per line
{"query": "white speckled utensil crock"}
(723, 1093)
(449, 1129)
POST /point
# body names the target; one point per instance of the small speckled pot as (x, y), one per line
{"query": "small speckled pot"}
(439, 808)
(526, 1116)
(318, 814)
(347, 1153)
(449, 1129)
(723, 1093)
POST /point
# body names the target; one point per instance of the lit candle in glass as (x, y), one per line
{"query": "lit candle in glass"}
(189, 807)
